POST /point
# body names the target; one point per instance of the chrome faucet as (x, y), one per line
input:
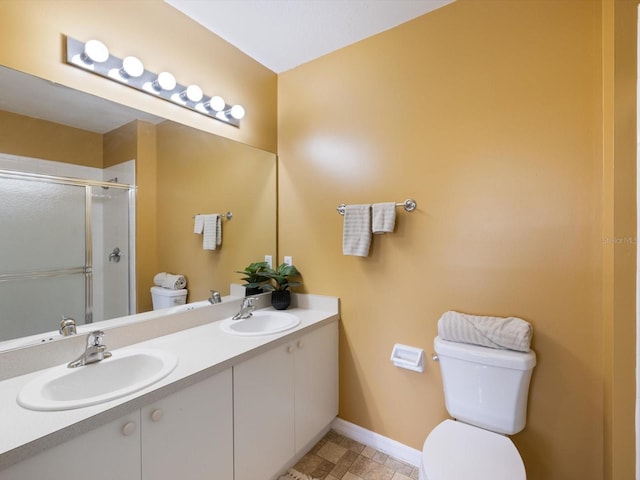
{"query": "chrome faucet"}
(67, 326)
(95, 351)
(245, 309)
(215, 297)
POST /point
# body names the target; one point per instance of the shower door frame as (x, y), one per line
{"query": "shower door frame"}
(87, 269)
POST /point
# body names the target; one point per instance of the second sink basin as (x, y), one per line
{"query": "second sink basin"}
(262, 322)
(126, 371)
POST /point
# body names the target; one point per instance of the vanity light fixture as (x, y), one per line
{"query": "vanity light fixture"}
(131, 67)
(94, 56)
(193, 93)
(94, 51)
(237, 112)
(216, 104)
(165, 81)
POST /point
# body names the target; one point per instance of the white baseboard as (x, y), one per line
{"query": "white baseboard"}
(374, 440)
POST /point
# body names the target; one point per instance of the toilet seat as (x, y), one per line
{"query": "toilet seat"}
(455, 450)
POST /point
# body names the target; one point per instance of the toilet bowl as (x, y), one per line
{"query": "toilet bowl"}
(457, 451)
(166, 297)
(486, 391)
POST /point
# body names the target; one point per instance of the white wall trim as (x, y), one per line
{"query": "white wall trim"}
(391, 447)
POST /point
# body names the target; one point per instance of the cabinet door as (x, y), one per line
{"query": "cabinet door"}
(316, 383)
(108, 452)
(189, 434)
(263, 414)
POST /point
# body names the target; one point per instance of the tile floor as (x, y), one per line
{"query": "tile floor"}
(336, 457)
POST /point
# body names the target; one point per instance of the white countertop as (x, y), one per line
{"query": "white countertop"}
(202, 351)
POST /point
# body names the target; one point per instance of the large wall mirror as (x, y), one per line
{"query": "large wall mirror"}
(91, 185)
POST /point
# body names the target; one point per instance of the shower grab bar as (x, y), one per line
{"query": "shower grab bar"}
(409, 205)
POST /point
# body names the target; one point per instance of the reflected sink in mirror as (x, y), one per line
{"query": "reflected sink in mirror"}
(126, 371)
(262, 322)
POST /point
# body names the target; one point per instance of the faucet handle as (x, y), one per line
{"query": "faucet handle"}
(215, 297)
(67, 326)
(95, 338)
(248, 302)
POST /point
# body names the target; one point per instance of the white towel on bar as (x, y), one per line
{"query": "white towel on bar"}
(198, 224)
(383, 217)
(356, 234)
(169, 280)
(495, 332)
(212, 232)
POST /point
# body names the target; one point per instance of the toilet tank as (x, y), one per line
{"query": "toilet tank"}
(485, 387)
(166, 297)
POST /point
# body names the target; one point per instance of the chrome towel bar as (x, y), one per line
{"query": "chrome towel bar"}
(409, 205)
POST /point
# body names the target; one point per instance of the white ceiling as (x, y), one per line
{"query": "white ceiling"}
(282, 34)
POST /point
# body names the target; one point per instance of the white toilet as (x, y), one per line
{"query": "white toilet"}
(486, 391)
(166, 297)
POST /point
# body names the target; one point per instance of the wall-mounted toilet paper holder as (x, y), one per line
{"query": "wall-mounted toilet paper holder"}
(411, 358)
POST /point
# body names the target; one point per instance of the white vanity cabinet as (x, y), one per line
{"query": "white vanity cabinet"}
(188, 434)
(283, 398)
(107, 452)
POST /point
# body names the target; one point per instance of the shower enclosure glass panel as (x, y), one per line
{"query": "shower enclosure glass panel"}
(64, 251)
(43, 226)
(34, 305)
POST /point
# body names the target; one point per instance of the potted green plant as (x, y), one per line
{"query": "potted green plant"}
(254, 277)
(280, 282)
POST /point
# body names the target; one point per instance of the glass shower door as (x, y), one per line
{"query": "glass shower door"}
(43, 256)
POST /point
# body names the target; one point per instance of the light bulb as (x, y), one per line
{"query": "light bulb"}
(237, 112)
(131, 67)
(95, 51)
(165, 81)
(192, 93)
(216, 104)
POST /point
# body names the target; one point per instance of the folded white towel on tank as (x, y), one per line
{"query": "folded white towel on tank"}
(356, 234)
(495, 332)
(168, 280)
(383, 217)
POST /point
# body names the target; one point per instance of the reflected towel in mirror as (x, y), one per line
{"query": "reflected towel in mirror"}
(212, 232)
(168, 280)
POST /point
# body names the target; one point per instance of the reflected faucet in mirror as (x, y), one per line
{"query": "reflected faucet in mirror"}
(215, 297)
(67, 327)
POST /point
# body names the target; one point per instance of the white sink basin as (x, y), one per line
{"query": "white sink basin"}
(126, 371)
(262, 322)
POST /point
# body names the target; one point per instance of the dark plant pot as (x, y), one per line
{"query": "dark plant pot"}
(252, 291)
(281, 299)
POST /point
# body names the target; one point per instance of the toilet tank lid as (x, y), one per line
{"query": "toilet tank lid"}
(485, 355)
(454, 450)
(168, 292)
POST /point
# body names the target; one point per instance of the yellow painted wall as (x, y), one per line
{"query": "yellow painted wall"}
(489, 114)
(202, 173)
(31, 35)
(619, 233)
(32, 137)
